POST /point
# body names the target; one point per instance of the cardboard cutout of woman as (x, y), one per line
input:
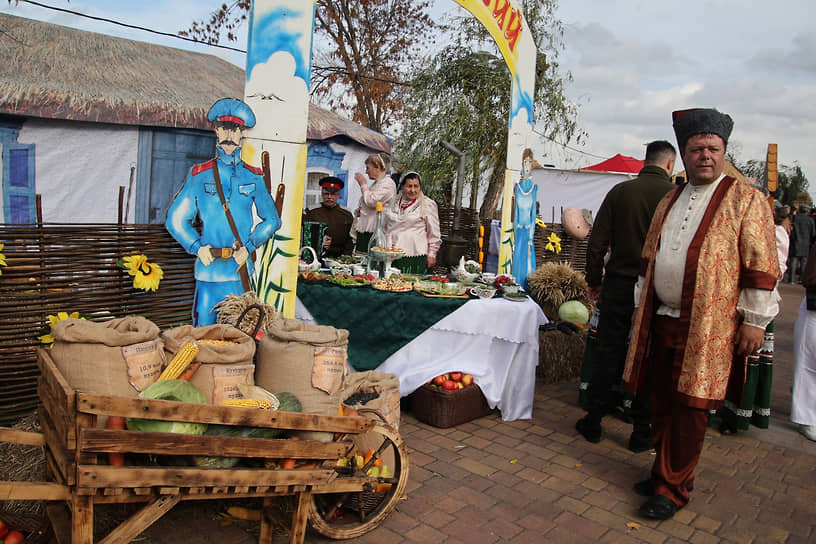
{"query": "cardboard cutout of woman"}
(526, 196)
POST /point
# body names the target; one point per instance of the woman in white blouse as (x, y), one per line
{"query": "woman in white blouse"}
(381, 188)
(412, 223)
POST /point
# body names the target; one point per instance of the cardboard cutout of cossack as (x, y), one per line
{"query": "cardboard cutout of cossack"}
(223, 192)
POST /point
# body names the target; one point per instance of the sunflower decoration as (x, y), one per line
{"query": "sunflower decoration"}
(553, 243)
(48, 338)
(2, 257)
(146, 275)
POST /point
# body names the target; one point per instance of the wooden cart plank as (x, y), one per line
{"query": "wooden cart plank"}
(141, 520)
(228, 415)
(33, 491)
(26, 438)
(52, 385)
(52, 409)
(109, 440)
(301, 516)
(81, 519)
(99, 476)
(61, 460)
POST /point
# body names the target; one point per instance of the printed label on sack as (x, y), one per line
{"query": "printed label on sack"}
(329, 369)
(144, 362)
(226, 379)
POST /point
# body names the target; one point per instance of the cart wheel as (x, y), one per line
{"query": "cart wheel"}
(349, 515)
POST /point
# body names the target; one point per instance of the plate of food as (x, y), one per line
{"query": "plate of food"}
(346, 280)
(310, 276)
(392, 285)
(384, 253)
(516, 296)
(442, 290)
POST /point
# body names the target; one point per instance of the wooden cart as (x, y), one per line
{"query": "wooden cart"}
(79, 476)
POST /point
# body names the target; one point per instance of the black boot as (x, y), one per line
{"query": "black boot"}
(590, 428)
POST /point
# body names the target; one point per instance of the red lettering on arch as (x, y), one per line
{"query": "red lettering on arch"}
(500, 11)
(513, 30)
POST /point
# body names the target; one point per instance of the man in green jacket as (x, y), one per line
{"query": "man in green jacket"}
(620, 228)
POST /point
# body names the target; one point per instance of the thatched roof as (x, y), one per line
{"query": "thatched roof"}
(56, 72)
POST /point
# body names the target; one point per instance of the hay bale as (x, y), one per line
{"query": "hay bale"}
(560, 356)
(552, 284)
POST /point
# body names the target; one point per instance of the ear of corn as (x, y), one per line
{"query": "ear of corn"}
(213, 342)
(262, 404)
(182, 359)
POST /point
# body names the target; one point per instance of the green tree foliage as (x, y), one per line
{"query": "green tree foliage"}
(462, 95)
(364, 51)
(792, 183)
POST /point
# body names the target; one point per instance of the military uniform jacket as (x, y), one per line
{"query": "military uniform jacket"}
(244, 189)
(338, 226)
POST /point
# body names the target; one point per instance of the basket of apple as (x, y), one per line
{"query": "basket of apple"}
(449, 399)
(451, 381)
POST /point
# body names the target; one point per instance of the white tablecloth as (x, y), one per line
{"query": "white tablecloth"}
(495, 340)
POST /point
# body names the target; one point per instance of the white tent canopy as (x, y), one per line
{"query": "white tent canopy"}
(559, 189)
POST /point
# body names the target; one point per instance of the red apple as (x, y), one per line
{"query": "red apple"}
(456, 376)
(450, 385)
(439, 380)
(467, 379)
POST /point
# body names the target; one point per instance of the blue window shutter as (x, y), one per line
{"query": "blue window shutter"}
(19, 198)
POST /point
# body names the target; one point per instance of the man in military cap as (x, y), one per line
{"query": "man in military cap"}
(223, 192)
(338, 220)
(706, 293)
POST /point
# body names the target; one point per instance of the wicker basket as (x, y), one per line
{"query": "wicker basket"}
(367, 501)
(37, 530)
(442, 408)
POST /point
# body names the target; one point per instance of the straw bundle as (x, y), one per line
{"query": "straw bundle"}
(552, 284)
(231, 308)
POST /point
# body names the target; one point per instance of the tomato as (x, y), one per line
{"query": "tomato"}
(14, 537)
(3, 529)
(456, 376)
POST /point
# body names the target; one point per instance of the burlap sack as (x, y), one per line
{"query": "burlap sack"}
(386, 386)
(92, 355)
(222, 367)
(310, 361)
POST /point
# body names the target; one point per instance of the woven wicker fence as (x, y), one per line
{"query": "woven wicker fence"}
(573, 252)
(72, 268)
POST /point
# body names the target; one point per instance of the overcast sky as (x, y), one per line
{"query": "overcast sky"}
(633, 62)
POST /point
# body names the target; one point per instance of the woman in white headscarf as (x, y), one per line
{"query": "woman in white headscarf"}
(412, 223)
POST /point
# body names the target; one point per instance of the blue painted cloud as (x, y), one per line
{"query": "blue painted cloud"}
(268, 35)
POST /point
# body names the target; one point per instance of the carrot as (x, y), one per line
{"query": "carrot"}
(115, 458)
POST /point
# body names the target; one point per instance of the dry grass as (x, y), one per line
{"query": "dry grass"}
(23, 464)
(553, 284)
(230, 310)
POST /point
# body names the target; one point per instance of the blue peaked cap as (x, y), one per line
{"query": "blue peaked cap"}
(232, 110)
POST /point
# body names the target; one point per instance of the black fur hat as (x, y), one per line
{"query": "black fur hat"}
(687, 123)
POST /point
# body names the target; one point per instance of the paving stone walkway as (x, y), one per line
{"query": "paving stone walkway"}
(490, 481)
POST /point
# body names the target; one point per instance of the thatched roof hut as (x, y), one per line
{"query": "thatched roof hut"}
(55, 72)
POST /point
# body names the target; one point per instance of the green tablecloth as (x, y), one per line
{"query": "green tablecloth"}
(379, 323)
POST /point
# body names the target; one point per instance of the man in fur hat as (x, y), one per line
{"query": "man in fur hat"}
(705, 295)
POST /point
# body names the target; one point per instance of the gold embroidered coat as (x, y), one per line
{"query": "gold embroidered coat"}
(734, 248)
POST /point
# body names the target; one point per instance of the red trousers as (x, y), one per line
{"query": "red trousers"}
(678, 430)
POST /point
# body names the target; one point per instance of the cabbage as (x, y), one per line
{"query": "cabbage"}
(176, 390)
(574, 312)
